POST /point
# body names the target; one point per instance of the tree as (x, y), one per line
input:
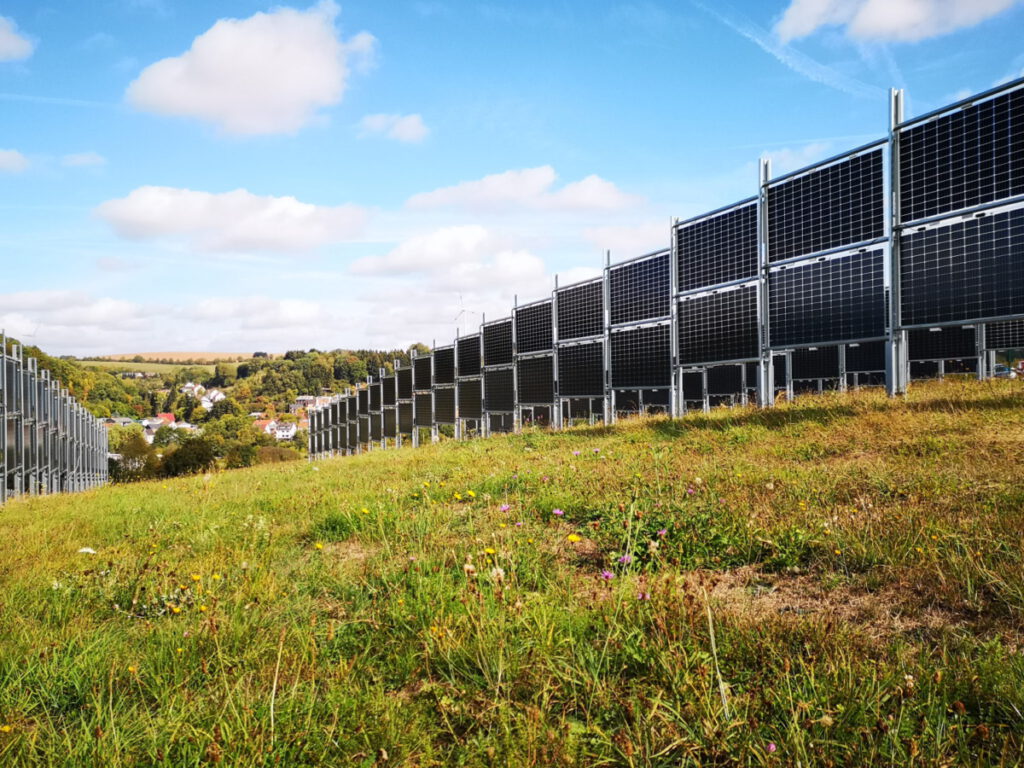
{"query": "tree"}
(192, 455)
(138, 461)
(165, 436)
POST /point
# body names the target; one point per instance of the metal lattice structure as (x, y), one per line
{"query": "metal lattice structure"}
(899, 259)
(49, 443)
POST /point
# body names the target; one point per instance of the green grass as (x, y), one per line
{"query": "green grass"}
(125, 365)
(840, 579)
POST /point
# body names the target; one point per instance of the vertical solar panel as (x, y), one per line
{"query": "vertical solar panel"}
(502, 422)
(404, 376)
(390, 395)
(467, 349)
(499, 389)
(831, 207)
(364, 429)
(376, 390)
(444, 405)
(498, 343)
(424, 409)
(390, 422)
(364, 402)
(718, 249)
(642, 357)
(405, 425)
(640, 290)
(963, 271)
(1005, 335)
(421, 372)
(828, 300)
(536, 379)
(725, 380)
(352, 435)
(820, 363)
(693, 386)
(581, 370)
(470, 399)
(627, 400)
(534, 324)
(719, 326)
(868, 356)
(941, 343)
(580, 311)
(376, 424)
(963, 159)
(444, 365)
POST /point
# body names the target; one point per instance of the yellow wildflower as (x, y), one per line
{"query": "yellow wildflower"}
(490, 551)
(202, 608)
(458, 497)
(133, 670)
(196, 577)
(365, 511)
(471, 494)
(319, 545)
(5, 729)
(175, 609)
(216, 576)
(574, 538)
(181, 650)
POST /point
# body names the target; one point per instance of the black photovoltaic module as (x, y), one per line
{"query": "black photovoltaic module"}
(641, 357)
(444, 365)
(444, 405)
(1005, 335)
(941, 343)
(499, 389)
(828, 300)
(534, 325)
(536, 380)
(424, 409)
(404, 376)
(390, 394)
(470, 399)
(718, 326)
(580, 311)
(421, 372)
(838, 205)
(581, 370)
(498, 343)
(467, 348)
(966, 158)
(718, 249)
(964, 271)
(640, 290)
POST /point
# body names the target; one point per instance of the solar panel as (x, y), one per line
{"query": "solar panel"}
(444, 365)
(941, 343)
(421, 372)
(499, 389)
(405, 418)
(718, 249)
(867, 356)
(828, 300)
(364, 402)
(640, 290)
(352, 435)
(580, 311)
(534, 328)
(838, 205)
(719, 326)
(444, 405)
(725, 380)
(468, 351)
(627, 400)
(376, 390)
(1005, 335)
(536, 379)
(820, 363)
(966, 158)
(964, 271)
(581, 370)
(389, 392)
(498, 343)
(642, 357)
(502, 422)
(404, 383)
(364, 429)
(470, 400)
(424, 409)
(376, 432)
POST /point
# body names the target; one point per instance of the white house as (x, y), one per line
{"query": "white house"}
(211, 398)
(191, 389)
(286, 430)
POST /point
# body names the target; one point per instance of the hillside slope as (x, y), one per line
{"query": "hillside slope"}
(838, 581)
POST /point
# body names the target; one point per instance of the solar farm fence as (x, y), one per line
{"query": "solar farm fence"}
(50, 443)
(899, 259)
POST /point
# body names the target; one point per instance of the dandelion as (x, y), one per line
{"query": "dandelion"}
(175, 609)
(626, 559)
(505, 508)
(607, 575)
(133, 670)
(471, 494)
(573, 538)
(202, 609)
(490, 551)
(557, 512)
(458, 497)
(365, 511)
(5, 729)
(838, 551)
(216, 576)
(498, 575)
(318, 545)
(426, 484)
(196, 577)
(180, 650)
(502, 525)
(918, 549)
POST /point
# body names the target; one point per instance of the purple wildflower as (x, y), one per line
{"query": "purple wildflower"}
(575, 453)
(557, 512)
(663, 532)
(607, 575)
(626, 559)
(519, 524)
(771, 747)
(505, 507)
(597, 450)
(690, 491)
(644, 596)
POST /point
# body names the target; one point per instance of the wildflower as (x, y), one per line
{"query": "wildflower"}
(469, 569)
(918, 549)
(520, 525)
(365, 511)
(490, 551)
(557, 512)
(202, 609)
(175, 609)
(771, 747)
(87, 551)
(575, 453)
(572, 537)
(597, 450)
(643, 596)
(216, 576)
(133, 670)
(626, 559)
(458, 497)
(690, 491)
(180, 650)
(663, 532)
(838, 551)
(471, 494)
(529, 541)
(426, 484)
(502, 525)
(5, 729)
(505, 508)
(498, 574)
(652, 546)
(196, 577)
(319, 545)
(607, 575)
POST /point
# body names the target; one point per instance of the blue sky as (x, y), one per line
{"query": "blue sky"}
(235, 176)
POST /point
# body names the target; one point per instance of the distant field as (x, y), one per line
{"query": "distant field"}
(206, 357)
(117, 365)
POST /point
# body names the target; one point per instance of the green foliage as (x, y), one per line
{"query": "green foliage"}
(190, 456)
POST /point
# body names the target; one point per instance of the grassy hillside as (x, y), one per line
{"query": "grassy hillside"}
(838, 581)
(127, 365)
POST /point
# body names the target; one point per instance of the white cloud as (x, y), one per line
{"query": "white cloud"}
(14, 46)
(266, 74)
(628, 240)
(81, 159)
(896, 20)
(526, 188)
(405, 128)
(12, 161)
(231, 221)
(256, 312)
